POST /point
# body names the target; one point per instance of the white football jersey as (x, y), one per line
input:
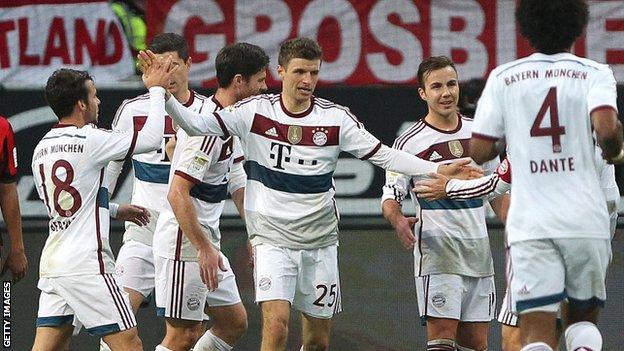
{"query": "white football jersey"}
(151, 169)
(68, 169)
(290, 160)
(207, 162)
(541, 104)
(452, 234)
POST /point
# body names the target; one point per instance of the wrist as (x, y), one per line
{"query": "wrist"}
(113, 209)
(17, 247)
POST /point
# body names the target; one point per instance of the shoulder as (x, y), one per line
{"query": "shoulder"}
(262, 99)
(139, 102)
(409, 134)
(325, 104)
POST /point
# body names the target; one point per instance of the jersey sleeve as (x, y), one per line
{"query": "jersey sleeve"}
(121, 122)
(487, 188)
(356, 140)
(198, 154)
(488, 120)
(226, 122)
(603, 91)
(8, 167)
(396, 188)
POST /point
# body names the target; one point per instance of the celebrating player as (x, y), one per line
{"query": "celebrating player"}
(187, 237)
(77, 265)
(453, 263)
(291, 143)
(545, 106)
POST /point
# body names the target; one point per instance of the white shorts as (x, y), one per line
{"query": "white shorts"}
(135, 267)
(96, 301)
(452, 296)
(181, 294)
(308, 279)
(544, 272)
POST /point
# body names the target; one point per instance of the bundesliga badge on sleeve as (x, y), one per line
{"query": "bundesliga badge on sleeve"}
(295, 133)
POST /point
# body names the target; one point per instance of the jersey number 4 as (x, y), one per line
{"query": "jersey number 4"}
(61, 186)
(555, 131)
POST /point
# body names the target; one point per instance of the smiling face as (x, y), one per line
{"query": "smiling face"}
(299, 79)
(179, 78)
(441, 91)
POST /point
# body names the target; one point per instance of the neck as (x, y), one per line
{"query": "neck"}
(74, 120)
(226, 96)
(183, 96)
(442, 122)
(295, 106)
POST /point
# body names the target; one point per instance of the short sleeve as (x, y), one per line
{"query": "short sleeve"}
(396, 188)
(356, 140)
(198, 154)
(488, 120)
(603, 91)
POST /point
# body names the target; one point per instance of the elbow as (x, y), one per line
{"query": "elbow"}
(173, 197)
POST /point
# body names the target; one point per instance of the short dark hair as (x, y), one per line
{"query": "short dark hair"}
(304, 48)
(240, 58)
(65, 88)
(431, 64)
(167, 42)
(552, 26)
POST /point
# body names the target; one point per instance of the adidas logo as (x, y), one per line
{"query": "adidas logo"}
(523, 291)
(435, 156)
(271, 132)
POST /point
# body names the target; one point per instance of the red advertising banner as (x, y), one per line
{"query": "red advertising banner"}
(39, 36)
(375, 42)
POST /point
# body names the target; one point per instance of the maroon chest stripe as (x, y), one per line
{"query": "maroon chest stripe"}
(311, 135)
(443, 149)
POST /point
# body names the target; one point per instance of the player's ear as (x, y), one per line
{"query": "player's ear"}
(422, 93)
(188, 63)
(82, 105)
(281, 70)
(238, 79)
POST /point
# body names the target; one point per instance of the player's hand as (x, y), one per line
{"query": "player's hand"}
(210, 262)
(433, 188)
(404, 230)
(460, 170)
(133, 213)
(156, 71)
(17, 263)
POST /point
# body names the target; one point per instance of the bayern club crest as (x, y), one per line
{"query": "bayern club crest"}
(295, 134)
(456, 148)
(319, 136)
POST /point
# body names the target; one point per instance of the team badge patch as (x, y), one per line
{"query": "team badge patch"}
(295, 133)
(192, 303)
(264, 284)
(319, 138)
(438, 299)
(456, 148)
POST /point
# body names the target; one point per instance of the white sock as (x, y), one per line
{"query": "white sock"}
(583, 336)
(211, 342)
(103, 346)
(162, 348)
(537, 346)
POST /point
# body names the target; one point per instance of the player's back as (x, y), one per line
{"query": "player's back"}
(545, 101)
(68, 169)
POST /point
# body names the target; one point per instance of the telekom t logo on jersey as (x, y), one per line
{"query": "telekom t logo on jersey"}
(283, 154)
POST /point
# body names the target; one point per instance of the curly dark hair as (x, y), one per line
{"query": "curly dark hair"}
(552, 26)
(65, 88)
